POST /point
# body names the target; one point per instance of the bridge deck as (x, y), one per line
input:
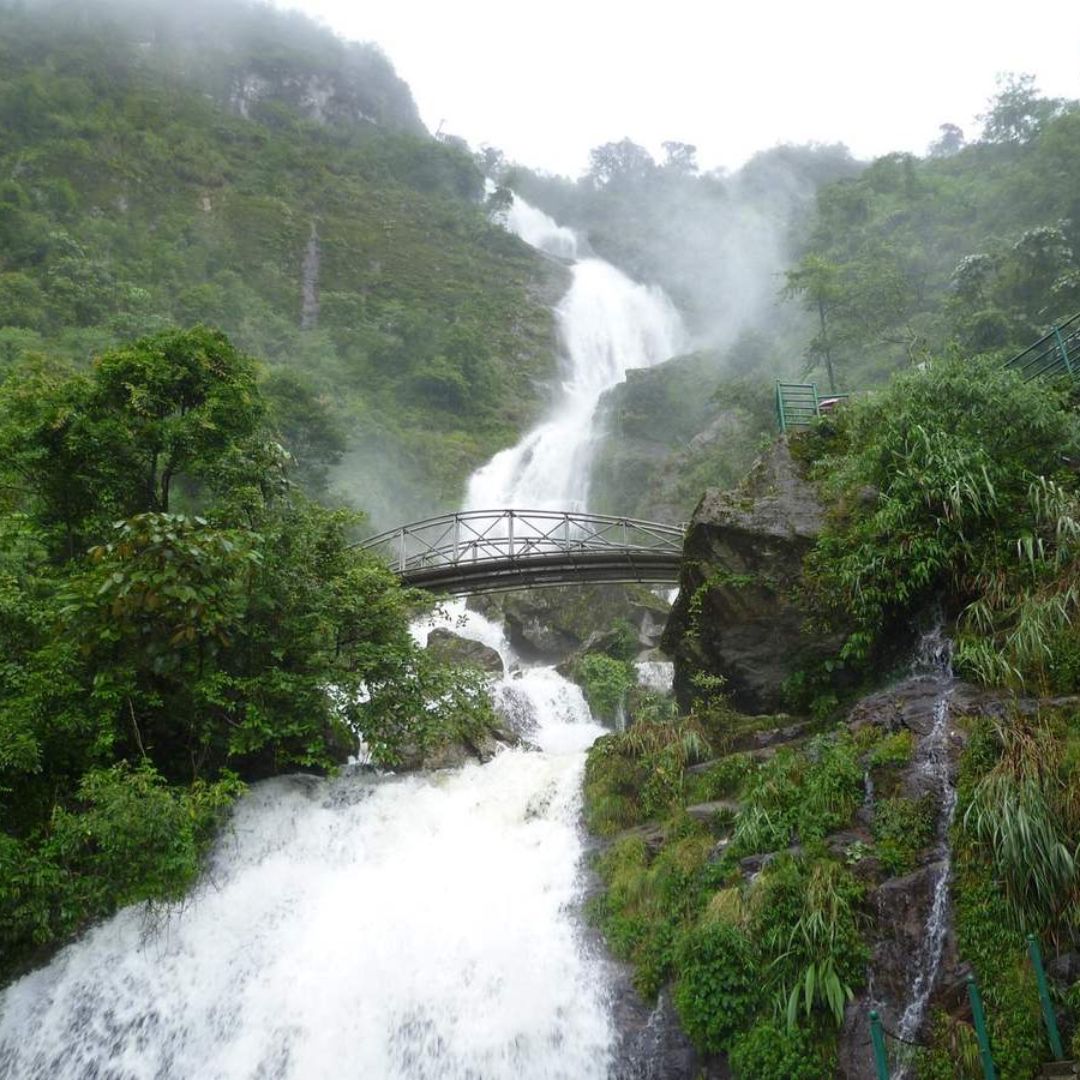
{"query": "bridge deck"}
(496, 550)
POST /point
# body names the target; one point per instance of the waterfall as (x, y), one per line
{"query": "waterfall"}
(366, 926)
(607, 324)
(656, 675)
(420, 927)
(933, 660)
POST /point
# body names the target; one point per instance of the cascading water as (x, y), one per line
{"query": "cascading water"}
(933, 659)
(387, 927)
(607, 324)
(656, 675)
(417, 927)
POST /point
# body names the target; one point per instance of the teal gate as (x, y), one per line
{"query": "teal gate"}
(797, 404)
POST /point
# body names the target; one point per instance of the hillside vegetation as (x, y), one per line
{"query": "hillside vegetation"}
(805, 260)
(245, 169)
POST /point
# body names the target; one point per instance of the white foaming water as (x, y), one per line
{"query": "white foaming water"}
(607, 324)
(541, 231)
(467, 624)
(414, 927)
(656, 675)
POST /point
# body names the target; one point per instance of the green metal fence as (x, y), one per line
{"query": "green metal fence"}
(797, 404)
(1056, 353)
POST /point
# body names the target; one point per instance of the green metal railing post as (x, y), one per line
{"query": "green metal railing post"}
(980, 1029)
(877, 1037)
(1044, 997)
(780, 408)
(1064, 350)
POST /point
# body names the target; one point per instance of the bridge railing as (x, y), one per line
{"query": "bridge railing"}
(475, 537)
(1054, 354)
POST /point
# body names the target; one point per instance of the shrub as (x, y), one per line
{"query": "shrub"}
(892, 751)
(972, 505)
(902, 828)
(131, 838)
(605, 682)
(718, 987)
(772, 1051)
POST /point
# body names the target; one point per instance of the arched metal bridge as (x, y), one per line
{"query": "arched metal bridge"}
(479, 551)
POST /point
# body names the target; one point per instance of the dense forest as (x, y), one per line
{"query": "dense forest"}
(174, 603)
(247, 170)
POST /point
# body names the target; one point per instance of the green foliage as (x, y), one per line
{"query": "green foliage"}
(605, 681)
(723, 779)
(640, 773)
(1022, 814)
(970, 504)
(805, 916)
(761, 970)
(147, 185)
(896, 267)
(646, 902)
(953, 1053)
(132, 838)
(902, 828)
(142, 676)
(808, 793)
(892, 751)
(987, 928)
(717, 989)
(773, 1051)
(664, 407)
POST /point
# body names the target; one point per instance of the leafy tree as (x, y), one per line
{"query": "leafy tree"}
(680, 157)
(972, 505)
(949, 142)
(619, 164)
(141, 677)
(1017, 113)
(816, 281)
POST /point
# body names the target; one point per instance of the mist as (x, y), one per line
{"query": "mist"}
(718, 244)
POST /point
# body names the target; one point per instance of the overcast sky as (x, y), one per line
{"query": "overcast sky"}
(547, 81)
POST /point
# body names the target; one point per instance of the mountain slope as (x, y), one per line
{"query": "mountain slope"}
(277, 185)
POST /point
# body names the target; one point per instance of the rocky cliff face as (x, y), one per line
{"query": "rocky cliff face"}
(735, 615)
(668, 427)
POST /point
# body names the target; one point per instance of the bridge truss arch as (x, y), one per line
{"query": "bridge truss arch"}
(477, 551)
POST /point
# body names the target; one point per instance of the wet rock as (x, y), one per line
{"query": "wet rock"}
(907, 705)
(735, 615)
(653, 1045)
(459, 651)
(514, 708)
(754, 864)
(455, 753)
(552, 625)
(901, 911)
(777, 735)
(1064, 968)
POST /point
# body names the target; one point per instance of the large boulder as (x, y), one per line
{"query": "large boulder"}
(460, 651)
(549, 625)
(735, 615)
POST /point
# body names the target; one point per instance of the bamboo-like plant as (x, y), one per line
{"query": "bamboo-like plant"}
(1022, 814)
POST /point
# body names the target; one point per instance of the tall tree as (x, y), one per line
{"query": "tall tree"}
(816, 281)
